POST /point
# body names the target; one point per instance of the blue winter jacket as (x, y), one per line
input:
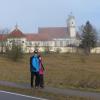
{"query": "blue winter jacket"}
(35, 63)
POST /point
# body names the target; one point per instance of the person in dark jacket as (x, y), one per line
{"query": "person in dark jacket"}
(34, 69)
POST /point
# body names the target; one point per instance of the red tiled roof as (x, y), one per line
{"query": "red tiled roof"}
(3, 37)
(36, 37)
(54, 32)
(44, 34)
(31, 37)
(16, 33)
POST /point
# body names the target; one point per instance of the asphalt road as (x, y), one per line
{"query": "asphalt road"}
(14, 96)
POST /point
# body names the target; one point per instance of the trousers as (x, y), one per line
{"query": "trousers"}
(35, 77)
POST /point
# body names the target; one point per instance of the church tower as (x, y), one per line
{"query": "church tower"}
(71, 26)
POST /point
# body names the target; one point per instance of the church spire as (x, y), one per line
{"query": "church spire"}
(16, 26)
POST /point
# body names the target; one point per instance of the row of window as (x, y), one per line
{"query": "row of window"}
(53, 43)
(45, 43)
(16, 41)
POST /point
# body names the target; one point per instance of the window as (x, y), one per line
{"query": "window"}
(30, 43)
(61, 43)
(55, 43)
(22, 41)
(10, 41)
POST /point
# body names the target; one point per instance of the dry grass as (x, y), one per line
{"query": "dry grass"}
(61, 70)
(72, 70)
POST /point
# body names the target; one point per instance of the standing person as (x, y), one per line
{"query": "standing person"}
(41, 73)
(34, 68)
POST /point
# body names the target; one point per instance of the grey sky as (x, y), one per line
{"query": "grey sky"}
(31, 14)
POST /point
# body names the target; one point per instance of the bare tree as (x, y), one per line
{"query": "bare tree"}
(3, 33)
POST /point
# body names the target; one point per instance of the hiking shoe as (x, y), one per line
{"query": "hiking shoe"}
(41, 87)
(36, 87)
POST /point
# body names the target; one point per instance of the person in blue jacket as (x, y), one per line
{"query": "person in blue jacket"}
(34, 69)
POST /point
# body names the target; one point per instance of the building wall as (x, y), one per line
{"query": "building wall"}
(53, 45)
(95, 50)
(56, 45)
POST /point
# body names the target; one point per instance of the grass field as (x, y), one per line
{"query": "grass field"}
(61, 70)
(73, 71)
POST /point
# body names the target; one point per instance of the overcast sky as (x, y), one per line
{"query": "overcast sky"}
(31, 14)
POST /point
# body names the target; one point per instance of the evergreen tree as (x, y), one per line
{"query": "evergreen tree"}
(88, 39)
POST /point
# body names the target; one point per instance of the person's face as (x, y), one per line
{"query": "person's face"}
(35, 54)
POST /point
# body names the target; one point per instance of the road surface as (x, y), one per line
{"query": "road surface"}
(65, 92)
(15, 96)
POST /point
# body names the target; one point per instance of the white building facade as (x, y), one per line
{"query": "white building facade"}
(54, 39)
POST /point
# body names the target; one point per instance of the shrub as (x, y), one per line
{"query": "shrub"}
(15, 53)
